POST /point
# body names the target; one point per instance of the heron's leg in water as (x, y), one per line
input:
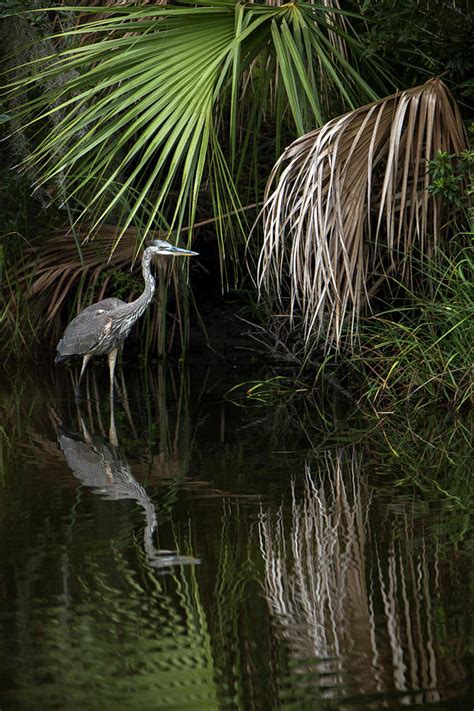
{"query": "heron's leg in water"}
(112, 360)
(85, 361)
(113, 439)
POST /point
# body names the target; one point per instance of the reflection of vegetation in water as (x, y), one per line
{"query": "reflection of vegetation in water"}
(358, 604)
(164, 423)
(357, 572)
(152, 412)
(126, 637)
(314, 577)
(93, 629)
(425, 454)
(232, 619)
(429, 460)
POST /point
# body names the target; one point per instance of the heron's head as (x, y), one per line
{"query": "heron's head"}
(159, 247)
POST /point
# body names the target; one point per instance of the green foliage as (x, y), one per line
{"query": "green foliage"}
(431, 456)
(415, 350)
(420, 38)
(153, 102)
(449, 174)
(421, 352)
(151, 115)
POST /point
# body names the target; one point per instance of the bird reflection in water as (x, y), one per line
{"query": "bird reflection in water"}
(100, 463)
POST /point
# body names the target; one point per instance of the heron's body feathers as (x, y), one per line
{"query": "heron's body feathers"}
(87, 333)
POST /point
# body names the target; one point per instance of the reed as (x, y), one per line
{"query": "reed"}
(420, 352)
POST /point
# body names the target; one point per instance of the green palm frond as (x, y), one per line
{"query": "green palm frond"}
(348, 201)
(151, 99)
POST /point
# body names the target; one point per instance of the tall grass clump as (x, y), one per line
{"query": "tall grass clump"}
(422, 348)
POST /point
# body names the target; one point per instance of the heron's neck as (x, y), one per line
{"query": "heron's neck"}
(143, 301)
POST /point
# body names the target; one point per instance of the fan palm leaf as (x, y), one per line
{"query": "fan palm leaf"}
(349, 200)
(150, 90)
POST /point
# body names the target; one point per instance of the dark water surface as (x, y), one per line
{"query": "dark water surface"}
(196, 553)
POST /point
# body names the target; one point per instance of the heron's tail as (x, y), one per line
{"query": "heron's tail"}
(59, 358)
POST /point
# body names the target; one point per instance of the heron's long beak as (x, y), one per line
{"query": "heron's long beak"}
(179, 252)
(166, 248)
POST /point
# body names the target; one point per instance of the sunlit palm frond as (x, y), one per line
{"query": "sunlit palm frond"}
(348, 201)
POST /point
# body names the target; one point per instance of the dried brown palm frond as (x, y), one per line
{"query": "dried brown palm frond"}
(348, 201)
(63, 271)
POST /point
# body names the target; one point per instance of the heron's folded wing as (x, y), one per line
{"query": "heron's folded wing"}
(85, 332)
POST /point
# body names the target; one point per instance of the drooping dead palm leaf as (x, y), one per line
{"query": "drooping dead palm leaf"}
(345, 201)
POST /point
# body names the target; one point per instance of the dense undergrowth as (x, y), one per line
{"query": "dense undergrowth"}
(415, 351)
(422, 351)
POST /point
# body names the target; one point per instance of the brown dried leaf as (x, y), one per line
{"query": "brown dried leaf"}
(344, 198)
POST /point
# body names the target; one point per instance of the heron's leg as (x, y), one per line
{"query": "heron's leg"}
(113, 439)
(85, 431)
(112, 360)
(85, 361)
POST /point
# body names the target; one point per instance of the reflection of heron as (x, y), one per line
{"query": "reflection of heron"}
(103, 327)
(101, 464)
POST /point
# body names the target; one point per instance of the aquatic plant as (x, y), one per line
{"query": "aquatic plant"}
(420, 352)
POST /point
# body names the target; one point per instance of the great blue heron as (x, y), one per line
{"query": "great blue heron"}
(103, 327)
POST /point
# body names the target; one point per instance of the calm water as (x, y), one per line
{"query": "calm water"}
(191, 552)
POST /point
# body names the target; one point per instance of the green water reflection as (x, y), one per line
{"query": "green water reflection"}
(187, 552)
